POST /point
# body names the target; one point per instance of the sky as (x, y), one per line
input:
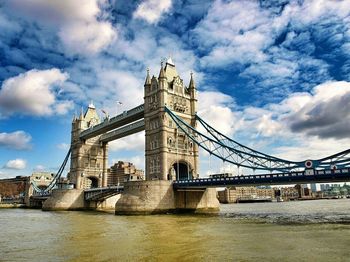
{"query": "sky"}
(273, 75)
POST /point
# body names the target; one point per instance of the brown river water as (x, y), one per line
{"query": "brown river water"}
(289, 231)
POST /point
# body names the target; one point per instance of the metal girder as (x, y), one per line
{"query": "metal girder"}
(229, 154)
(123, 131)
(341, 159)
(219, 145)
(126, 117)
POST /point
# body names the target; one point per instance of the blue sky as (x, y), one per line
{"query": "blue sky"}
(274, 75)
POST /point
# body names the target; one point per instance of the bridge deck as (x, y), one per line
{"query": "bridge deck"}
(102, 193)
(320, 176)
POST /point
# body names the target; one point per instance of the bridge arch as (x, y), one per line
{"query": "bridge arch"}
(92, 182)
(180, 170)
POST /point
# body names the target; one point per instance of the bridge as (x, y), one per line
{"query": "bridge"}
(301, 177)
(102, 193)
(172, 142)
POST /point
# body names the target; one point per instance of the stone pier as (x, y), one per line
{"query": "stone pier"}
(73, 199)
(65, 199)
(159, 197)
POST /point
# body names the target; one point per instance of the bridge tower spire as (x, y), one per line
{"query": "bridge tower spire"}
(89, 157)
(169, 153)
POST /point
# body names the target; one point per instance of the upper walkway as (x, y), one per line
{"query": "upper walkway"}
(109, 124)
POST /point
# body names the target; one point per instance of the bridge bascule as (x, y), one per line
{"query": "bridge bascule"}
(172, 142)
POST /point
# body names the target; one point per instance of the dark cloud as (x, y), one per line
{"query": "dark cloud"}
(327, 119)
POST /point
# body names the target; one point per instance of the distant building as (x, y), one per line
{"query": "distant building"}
(122, 172)
(13, 189)
(236, 194)
(290, 193)
(40, 179)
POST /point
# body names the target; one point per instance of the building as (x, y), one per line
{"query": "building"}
(13, 189)
(122, 172)
(41, 180)
(237, 194)
(290, 193)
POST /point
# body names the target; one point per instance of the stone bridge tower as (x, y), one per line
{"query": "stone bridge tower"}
(170, 154)
(89, 157)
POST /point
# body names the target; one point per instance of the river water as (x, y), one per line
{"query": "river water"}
(290, 231)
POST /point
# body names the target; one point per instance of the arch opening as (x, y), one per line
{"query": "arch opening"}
(91, 182)
(182, 171)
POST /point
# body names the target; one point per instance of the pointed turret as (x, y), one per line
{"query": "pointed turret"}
(91, 105)
(148, 79)
(192, 85)
(81, 117)
(162, 72)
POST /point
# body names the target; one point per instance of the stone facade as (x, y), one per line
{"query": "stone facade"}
(88, 158)
(169, 153)
(122, 172)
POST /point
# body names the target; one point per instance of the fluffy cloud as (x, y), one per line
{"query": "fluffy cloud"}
(279, 48)
(326, 114)
(215, 109)
(18, 164)
(33, 93)
(18, 140)
(152, 10)
(81, 24)
(301, 126)
(133, 142)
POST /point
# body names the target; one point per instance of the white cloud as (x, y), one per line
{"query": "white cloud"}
(215, 109)
(86, 37)
(16, 164)
(80, 23)
(39, 168)
(132, 142)
(63, 146)
(18, 140)
(152, 10)
(304, 125)
(242, 31)
(32, 93)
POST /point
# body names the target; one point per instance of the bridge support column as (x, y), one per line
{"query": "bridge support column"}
(105, 163)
